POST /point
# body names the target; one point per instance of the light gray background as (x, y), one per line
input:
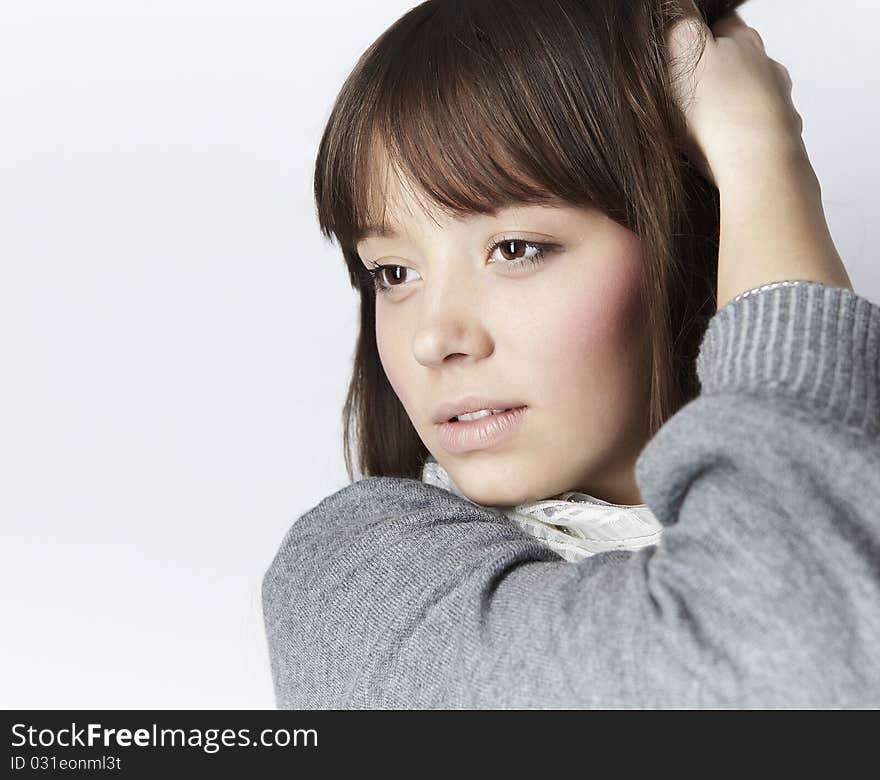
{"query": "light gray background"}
(176, 336)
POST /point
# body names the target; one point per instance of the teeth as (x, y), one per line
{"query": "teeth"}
(479, 414)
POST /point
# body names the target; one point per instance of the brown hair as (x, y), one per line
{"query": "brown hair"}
(487, 103)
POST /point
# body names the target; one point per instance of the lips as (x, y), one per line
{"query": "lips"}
(485, 433)
(445, 412)
(491, 413)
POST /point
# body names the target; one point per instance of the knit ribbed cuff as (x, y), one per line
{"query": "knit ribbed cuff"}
(813, 343)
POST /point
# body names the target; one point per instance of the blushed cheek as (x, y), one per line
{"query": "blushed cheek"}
(602, 314)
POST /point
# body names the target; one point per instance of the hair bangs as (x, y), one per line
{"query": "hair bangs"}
(470, 116)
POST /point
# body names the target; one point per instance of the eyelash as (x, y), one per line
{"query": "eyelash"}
(375, 271)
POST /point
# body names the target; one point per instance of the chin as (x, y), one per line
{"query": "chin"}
(497, 497)
(493, 484)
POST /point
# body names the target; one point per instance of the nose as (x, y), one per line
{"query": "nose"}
(452, 323)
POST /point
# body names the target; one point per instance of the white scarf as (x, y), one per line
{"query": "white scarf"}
(575, 525)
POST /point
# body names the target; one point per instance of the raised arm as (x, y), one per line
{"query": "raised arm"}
(745, 135)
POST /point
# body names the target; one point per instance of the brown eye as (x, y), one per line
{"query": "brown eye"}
(397, 274)
(509, 248)
(382, 280)
(518, 252)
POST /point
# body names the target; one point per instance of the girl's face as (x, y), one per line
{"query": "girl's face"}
(563, 337)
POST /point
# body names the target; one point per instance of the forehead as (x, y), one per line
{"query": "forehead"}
(392, 200)
(395, 205)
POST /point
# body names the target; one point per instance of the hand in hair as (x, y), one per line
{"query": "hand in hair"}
(745, 137)
(736, 100)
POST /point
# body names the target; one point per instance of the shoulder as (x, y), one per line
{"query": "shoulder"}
(369, 499)
(374, 506)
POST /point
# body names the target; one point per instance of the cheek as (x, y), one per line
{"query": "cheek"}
(600, 316)
(392, 358)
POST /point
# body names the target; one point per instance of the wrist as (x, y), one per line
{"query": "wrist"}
(764, 168)
(773, 228)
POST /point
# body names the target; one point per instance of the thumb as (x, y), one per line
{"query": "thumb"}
(686, 38)
(686, 34)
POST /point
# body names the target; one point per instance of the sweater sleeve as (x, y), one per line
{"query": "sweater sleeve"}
(764, 590)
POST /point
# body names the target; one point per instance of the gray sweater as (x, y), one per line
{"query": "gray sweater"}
(763, 592)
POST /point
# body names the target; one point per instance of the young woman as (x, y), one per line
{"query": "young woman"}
(595, 225)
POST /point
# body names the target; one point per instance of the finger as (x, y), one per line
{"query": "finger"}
(785, 79)
(757, 35)
(732, 25)
(728, 24)
(783, 74)
(686, 35)
(689, 8)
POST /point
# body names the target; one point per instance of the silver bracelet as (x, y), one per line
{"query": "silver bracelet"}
(769, 287)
